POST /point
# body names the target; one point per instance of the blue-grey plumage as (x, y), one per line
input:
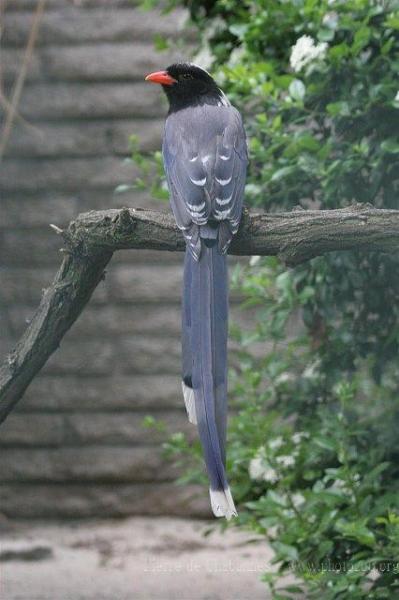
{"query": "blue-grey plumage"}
(207, 331)
(205, 158)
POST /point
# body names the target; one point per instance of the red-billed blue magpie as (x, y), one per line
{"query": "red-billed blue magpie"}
(205, 158)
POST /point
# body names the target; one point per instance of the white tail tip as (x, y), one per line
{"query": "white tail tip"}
(189, 401)
(222, 503)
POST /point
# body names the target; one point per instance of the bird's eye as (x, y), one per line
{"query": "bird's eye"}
(186, 76)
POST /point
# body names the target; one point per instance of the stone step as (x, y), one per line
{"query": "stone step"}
(123, 283)
(85, 429)
(65, 174)
(55, 101)
(127, 354)
(26, 5)
(103, 500)
(106, 321)
(77, 139)
(117, 392)
(86, 464)
(74, 25)
(87, 62)
(33, 209)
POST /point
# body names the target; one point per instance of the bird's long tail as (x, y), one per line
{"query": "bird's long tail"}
(204, 341)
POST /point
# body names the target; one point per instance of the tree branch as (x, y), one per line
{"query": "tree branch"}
(93, 237)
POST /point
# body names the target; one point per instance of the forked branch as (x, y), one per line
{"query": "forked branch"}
(93, 237)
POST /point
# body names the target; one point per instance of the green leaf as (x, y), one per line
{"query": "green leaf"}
(277, 498)
(285, 551)
(325, 442)
(283, 172)
(392, 21)
(340, 51)
(297, 89)
(239, 30)
(293, 589)
(325, 34)
(161, 43)
(357, 531)
(338, 108)
(361, 39)
(391, 146)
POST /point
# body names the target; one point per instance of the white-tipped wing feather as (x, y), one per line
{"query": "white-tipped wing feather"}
(189, 401)
(222, 503)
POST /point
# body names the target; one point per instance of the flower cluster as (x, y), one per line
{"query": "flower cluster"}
(260, 470)
(268, 463)
(305, 52)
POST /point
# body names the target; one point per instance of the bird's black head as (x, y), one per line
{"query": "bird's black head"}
(186, 84)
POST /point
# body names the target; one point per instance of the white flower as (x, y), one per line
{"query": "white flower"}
(276, 443)
(397, 96)
(285, 377)
(305, 52)
(338, 486)
(285, 461)
(296, 438)
(262, 471)
(256, 468)
(270, 475)
(312, 371)
(297, 499)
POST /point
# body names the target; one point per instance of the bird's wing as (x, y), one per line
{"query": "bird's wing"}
(205, 162)
(229, 177)
(187, 180)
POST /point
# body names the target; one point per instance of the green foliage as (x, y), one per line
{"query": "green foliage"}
(312, 448)
(317, 492)
(151, 172)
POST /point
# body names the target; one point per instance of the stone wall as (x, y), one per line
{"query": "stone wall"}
(76, 445)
